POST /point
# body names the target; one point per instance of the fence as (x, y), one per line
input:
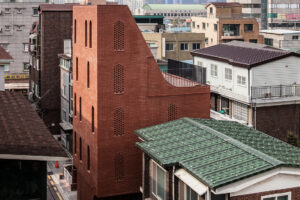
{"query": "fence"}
(275, 91)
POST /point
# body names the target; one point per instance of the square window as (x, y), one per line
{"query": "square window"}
(169, 47)
(184, 46)
(248, 27)
(25, 66)
(196, 46)
(213, 70)
(35, 11)
(241, 80)
(6, 68)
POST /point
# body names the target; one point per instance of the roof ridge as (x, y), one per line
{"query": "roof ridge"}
(236, 143)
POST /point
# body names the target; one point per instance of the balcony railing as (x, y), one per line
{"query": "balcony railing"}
(267, 92)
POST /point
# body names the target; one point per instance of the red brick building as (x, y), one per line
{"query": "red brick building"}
(118, 88)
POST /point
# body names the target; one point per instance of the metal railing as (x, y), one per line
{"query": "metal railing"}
(181, 77)
(267, 92)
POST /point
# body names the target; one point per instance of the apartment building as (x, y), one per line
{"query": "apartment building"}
(205, 159)
(5, 60)
(224, 23)
(16, 18)
(176, 46)
(283, 39)
(66, 95)
(253, 84)
(118, 88)
(46, 42)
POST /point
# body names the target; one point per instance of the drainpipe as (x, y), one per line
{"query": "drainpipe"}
(173, 183)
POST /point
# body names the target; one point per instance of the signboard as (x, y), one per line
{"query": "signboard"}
(16, 76)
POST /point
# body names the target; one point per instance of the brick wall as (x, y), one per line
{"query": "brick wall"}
(140, 98)
(278, 120)
(257, 196)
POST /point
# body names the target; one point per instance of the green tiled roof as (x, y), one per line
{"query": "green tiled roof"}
(216, 152)
(174, 7)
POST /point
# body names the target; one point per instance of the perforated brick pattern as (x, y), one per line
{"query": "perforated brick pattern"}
(118, 36)
(119, 79)
(119, 121)
(172, 112)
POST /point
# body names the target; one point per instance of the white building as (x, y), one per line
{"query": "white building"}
(251, 83)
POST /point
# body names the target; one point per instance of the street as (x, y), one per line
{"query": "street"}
(52, 191)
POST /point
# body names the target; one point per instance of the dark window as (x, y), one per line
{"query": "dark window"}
(203, 26)
(253, 40)
(169, 47)
(248, 27)
(76, 68)
(216, 27)
(211, 10)
(75, 106)
(184, 46)
(88, 158)
(118, 79)
(119, 121)
(295, 37)
(269, 41)
(196, 46)
(80, 149)
(75, 142)
(88, 74)
(91, 32)
(85, 33)
(35, 11)
(75, 31)
(80, 108)
(93, 120)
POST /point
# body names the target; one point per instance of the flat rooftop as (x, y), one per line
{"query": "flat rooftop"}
(280, 31)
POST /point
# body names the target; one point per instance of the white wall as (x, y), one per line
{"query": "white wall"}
(225, 87)
(285, 71)
(2, 85)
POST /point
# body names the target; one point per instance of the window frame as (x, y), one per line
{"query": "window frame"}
(169, 44)
(185, 46)
(26, 64)
(25, 47)
(7, 68)
(295, 37)
(240, 82)
(226, 74)
(215, 74)
(196, 46)
(156, 165)
(289, 194)
(186, 187)
(246, 25)
(33, 13)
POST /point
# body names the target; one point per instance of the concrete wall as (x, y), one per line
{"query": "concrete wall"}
(283, 41)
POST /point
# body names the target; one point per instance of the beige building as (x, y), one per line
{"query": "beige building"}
(283, 39)
(224, 23)
(176, 46)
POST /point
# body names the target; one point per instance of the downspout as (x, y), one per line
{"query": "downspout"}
(173, 183)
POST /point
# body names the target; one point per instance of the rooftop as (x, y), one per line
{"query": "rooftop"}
(4, 55)
(174, 7)
(24, 136)
(216, 152)
(224, 4)
(56, 7)
(280, 31)
(242, 54)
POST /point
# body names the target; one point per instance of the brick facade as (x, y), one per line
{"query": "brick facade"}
(127, 92)
(257, 196)
(278, 120)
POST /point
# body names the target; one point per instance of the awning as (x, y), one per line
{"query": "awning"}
(66, 126)
(15, 86)
(192, 182)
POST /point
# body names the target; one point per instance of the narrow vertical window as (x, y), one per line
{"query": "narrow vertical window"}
(75, 142)
(88, 158)
(85, 36)
(88, 74)
(80, 108)
(75, 30)
(80, 149)
(91, 34)
(75, 105)
(76, 68)
(93, 120)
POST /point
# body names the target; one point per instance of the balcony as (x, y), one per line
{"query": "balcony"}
(231, 31)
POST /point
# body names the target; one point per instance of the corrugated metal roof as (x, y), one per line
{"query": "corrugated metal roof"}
(174, 7)
(216, 152)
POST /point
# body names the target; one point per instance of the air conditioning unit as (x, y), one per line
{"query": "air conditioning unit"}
(226, 34)
(267, 95)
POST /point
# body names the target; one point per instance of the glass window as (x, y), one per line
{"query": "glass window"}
(282, 196)
(184, 46)
(241, 80)
(206, 40)
(61, 62)
(35, 11)
(196, 46)
(216, 27)
(190, 194)
(25, 47)
(248, 27)
(269, 41)
(228, 74)
(203, 25)
(295, 37)
(6, 68)
(210, 10)
(25, 66)
(213, 70)
(253, 40)
(158, 184)
(169, 47)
